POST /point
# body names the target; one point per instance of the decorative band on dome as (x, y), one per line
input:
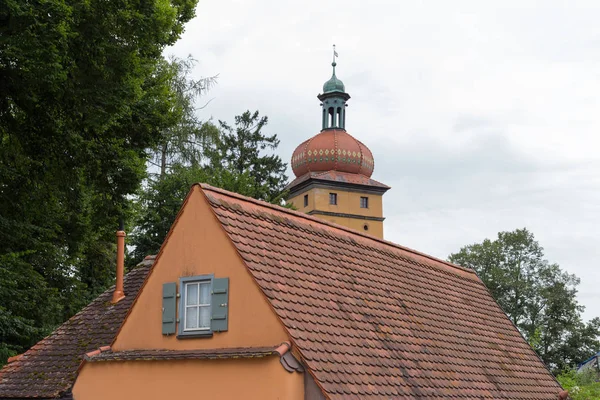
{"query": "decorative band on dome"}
(331, 150)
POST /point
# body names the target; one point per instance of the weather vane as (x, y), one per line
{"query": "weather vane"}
(335, 54)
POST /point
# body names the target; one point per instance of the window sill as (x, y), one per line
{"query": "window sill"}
(193, 335)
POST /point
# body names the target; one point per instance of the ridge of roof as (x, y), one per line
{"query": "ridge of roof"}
(302, 215)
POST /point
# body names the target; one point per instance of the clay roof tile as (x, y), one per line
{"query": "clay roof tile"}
(371, 318)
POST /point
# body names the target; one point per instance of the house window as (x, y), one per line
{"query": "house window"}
(195, 311)
(305, 200)
(197, 306)
(333, 198)
(364, 202)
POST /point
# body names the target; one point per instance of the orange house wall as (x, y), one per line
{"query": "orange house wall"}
(198, 245)
(249, 379)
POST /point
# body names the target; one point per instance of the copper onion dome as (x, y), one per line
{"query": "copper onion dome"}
(333, 150)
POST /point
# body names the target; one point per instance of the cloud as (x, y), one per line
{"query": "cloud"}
(482, 116)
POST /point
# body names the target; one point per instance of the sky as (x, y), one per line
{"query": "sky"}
(483, 116)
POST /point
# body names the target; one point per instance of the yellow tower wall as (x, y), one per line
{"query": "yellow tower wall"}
(347, 211)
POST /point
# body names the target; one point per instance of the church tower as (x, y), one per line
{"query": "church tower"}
(333, 170)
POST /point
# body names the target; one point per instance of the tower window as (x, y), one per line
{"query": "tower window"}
(305, 200)
(333, 198)
(364, 202)
(331, 117)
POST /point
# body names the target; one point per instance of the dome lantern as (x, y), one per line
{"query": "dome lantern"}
(333, 149)
(333, 101)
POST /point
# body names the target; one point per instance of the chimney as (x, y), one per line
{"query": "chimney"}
(118, 294)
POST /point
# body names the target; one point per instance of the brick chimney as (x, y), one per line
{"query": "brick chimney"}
(118, 294)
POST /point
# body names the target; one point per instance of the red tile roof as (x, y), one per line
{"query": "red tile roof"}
(373, 319)
(369, 318)
(49, 368)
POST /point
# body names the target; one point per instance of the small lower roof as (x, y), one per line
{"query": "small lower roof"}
(209, 354)
(337, 177)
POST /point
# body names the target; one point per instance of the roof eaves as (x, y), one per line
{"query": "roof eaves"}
(319, 174)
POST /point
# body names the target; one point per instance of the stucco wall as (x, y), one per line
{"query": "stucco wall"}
(347, 203)
(197, 246)
(375, 228)
(262, 378)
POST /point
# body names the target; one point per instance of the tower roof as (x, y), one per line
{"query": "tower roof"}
(333, 150)
(333, 84)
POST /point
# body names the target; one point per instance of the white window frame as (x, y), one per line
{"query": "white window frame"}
(183, 306)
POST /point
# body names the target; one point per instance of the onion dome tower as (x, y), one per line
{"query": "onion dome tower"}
(333, 169)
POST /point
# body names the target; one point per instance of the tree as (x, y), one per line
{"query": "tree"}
(175, 162)
(25, 314)
(240, 153)
(159, 202)
(184, 143)
(581, 386)
(537, 296)
(236, 161)
(83, 94)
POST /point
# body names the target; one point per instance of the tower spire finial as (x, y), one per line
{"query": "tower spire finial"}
(333, 64)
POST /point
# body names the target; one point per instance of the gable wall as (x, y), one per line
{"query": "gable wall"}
(198, 245)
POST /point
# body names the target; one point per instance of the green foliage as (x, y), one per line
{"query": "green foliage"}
(538, 297)
(581, 386)
(84, 93)
(184, 143)
(236, 161)
(159, 204)
(29, 308)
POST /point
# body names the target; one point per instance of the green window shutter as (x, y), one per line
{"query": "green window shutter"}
(220, 305)
(169, 308)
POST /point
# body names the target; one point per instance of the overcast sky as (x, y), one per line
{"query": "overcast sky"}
(483, 116)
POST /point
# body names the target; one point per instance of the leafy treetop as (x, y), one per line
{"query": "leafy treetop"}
(537, 296)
